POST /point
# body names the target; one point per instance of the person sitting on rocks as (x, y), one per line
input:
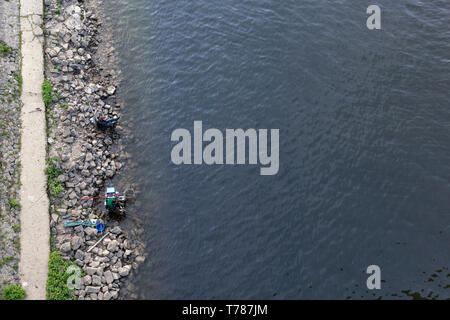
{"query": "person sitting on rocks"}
(104, 123)
(114, 205)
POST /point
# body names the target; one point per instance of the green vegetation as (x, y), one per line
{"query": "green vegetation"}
(13, 292)
(6, 260)
(47, 94)
(57, 278)
(52, 172)
(64, 106)
(19, 80)
(13, 203)
(5, 50)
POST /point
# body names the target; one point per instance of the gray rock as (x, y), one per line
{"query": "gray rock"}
(116, 230)
(109, 173)
(89, 157)
(79, 263)
(65, 247)
(87, 280)
(73, 23)
(91, 289)
(96, 280)
(124, 271)
(108, 141)
(100, 271)
(90, 270)
(114, 294)
(90, 231)
(69, 140)
(113, 246)
(108, 277)
(55, 217)
(79, 255)
(140, 259)
(76, 243)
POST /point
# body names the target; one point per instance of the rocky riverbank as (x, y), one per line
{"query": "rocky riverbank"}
(10, 87)
(81, 159)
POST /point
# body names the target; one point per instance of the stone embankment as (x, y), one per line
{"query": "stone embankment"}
(82, 159)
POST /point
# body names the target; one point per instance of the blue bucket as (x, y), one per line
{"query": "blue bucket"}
(100, 227)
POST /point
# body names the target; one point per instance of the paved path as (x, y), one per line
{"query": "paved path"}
(35, 233)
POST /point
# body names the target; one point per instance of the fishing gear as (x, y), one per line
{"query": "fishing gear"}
(97, 197)
(93, 223)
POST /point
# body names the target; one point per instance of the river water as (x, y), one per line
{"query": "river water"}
(364, 127)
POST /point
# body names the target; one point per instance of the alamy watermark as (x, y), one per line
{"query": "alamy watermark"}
(374, 20)
(191, 150)
(74, 281)
(374, 280)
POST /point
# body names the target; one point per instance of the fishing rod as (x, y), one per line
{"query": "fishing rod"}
(88, 198)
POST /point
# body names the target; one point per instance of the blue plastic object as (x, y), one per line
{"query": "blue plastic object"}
(100, 227)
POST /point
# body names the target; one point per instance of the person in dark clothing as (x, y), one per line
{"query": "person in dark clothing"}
(114, 205)
(104, 123)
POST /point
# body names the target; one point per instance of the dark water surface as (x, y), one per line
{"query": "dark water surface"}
(364, 121)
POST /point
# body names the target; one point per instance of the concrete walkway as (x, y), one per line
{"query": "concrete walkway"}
(35, 233)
